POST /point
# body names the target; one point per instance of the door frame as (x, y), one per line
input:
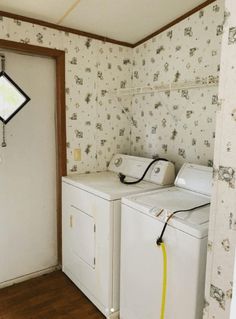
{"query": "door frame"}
(59, 57)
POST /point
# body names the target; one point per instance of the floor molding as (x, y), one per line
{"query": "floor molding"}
(29, 276)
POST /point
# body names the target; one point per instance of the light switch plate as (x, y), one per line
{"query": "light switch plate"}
(77, 154)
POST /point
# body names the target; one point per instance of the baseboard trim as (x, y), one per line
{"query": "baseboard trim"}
(35, 274)
(115, 315)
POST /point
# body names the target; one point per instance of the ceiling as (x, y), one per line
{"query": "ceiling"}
(123, 20)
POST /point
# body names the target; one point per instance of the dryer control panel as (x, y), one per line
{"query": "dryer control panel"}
(162, 173)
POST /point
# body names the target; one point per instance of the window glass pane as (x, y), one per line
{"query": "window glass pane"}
(11, 98)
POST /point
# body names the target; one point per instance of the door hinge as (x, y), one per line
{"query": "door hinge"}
(94, 261)
(94, 228)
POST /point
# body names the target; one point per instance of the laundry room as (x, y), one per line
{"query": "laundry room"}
(117, 159)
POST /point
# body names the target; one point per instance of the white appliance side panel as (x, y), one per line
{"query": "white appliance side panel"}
(141, 270)
(116, 255)
(95, 282)
(66, 233)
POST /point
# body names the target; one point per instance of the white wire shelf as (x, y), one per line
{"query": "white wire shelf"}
(210, 81)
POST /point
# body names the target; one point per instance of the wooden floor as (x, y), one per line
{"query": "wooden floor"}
(51, 296)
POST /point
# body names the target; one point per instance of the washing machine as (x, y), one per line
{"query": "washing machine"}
(185, 238)
(91, 208)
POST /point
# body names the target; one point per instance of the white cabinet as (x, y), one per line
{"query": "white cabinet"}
(91, 248)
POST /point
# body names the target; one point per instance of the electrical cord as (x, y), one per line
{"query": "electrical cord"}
(122, 176)
(160, 239)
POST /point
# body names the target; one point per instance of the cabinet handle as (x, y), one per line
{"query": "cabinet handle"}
(71, 221)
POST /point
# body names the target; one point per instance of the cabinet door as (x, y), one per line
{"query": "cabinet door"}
(82, 236)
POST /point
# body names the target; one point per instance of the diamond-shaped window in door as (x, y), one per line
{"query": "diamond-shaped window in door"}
(12, 98)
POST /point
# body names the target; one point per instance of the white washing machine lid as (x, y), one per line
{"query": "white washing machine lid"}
(161, 203)
(107, 185)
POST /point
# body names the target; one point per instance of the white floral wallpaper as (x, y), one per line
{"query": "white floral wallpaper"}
(179, 125)
(222, 235)
(101, 124)
(96, 121)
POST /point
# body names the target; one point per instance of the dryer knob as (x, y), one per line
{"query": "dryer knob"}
(157, 170)
(118, 162)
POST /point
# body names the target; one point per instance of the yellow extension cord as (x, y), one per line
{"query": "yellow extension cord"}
(164, 284)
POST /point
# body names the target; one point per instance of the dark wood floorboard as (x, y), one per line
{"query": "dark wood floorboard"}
(52, 296)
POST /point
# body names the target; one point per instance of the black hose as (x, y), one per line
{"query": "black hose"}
(122, 176)
(160, 239)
